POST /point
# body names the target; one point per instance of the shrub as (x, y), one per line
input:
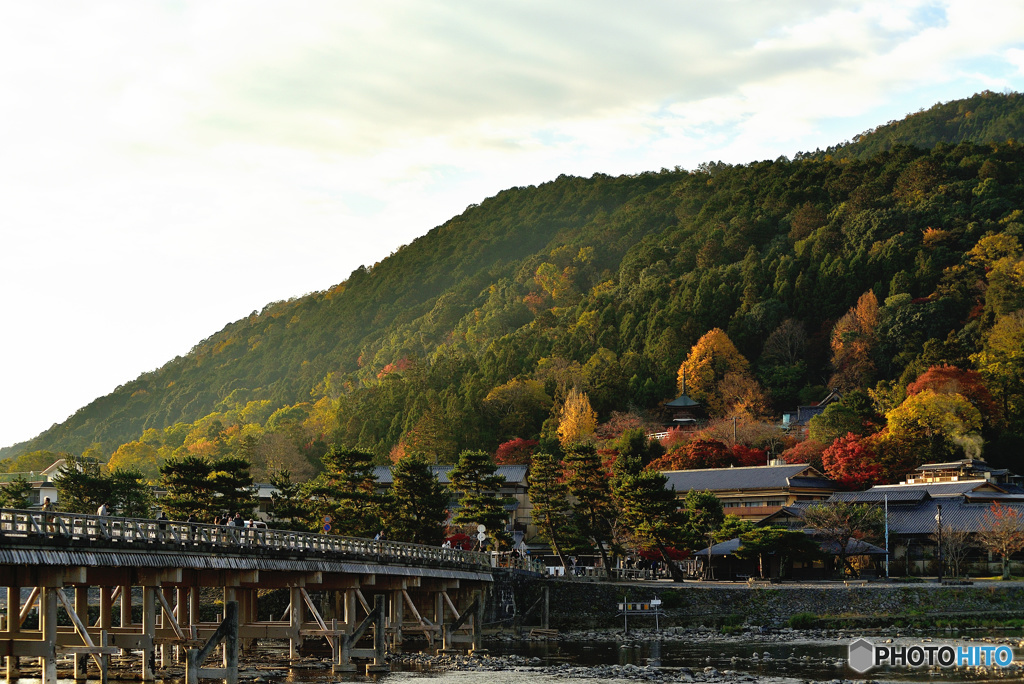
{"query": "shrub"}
(802, 621)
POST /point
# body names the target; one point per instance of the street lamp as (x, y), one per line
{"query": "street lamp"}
(938, 519)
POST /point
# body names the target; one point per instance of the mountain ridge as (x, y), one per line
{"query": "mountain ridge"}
(618, 275)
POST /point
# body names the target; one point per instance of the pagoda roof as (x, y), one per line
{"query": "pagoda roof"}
(682, 401)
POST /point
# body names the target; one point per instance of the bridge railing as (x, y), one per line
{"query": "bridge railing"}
(112, 530)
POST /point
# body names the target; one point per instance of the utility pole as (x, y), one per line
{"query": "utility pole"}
(885, 498)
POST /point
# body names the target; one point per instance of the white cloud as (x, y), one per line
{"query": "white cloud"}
(169, 167)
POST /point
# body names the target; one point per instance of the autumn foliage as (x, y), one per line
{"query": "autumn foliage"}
(716, 374)
(807, 451)
(516, 451)
(853, 338)
(578, 420)
(851, 463)
(709, 453)
(946, 379)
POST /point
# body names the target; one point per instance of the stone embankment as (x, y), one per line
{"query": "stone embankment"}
(593, 605)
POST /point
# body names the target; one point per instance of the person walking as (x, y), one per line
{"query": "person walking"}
(47, 509)
(161, 525)
(101, 525)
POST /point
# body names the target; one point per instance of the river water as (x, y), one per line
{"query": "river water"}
(818, 661)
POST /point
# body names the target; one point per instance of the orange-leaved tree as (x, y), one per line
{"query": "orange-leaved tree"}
(716, 374)
(947, 379)
(853, 337)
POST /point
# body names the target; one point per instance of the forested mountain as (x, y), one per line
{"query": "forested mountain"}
(982, 119)
(474, 334)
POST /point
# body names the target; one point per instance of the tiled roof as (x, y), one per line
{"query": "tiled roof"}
(854, 547)
(513, 474)
(682, 401)
(918, 519)
(897, 497)
(995, 496)
(756, 477)
(811, 482)
(974, 464)
(938, 488)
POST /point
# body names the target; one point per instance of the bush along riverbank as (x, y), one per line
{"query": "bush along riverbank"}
(517, 603)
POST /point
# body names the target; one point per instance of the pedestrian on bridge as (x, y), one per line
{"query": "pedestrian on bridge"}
(47, 509)
(161, 525)
(103, 511)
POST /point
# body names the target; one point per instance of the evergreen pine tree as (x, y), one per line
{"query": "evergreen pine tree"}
(416, 506)
(474, 479)
(652, 515)
(587, 481)
(347, 492)
(552, 513)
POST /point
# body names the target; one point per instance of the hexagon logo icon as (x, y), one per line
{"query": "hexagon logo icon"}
(862, 655)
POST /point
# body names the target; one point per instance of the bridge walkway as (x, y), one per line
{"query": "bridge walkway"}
(102, 570)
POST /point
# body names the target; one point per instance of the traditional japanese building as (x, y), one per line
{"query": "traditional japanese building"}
(757, 491)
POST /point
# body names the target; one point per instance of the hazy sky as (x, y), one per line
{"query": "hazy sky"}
(168, 167)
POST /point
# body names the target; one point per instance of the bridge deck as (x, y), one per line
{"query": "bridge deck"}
(74, 539)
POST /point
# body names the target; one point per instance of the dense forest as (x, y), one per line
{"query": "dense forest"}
(887, 263)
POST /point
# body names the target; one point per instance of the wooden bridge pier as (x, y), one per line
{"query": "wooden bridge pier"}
(70, 563)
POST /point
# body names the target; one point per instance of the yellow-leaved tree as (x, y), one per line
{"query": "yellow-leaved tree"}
(577, 420)
(718, 376)
(137, 456)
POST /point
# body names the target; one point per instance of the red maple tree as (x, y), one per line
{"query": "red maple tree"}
(851, 463)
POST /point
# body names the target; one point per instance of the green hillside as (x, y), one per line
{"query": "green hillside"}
(472, 334)
(982, 119)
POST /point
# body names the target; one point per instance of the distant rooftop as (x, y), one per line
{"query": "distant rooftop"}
(752, 477)
(682, 401)
(513, 474)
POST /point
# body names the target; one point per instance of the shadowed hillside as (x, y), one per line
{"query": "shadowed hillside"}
(472, 334)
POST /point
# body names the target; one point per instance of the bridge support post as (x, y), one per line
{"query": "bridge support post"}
(379, 637)
(82, 610)
(194, 613)
(166, 650)
(346, 642)
(184, 619)
(226, 632)
(12, 671)
(397, 618)
(148, 632)
(350, 610)
(126, 607)
(294, 622)
(106, 620)
(48, 627)
(546, 615)
(478, 623)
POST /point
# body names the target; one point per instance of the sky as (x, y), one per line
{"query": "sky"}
(169, 167)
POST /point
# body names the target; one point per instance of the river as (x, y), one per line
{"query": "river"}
(708, 659)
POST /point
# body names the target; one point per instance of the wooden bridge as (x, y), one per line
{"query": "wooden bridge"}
(53, 562)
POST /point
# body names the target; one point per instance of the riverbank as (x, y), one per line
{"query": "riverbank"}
(576, 605)
(628, 672)
(765, 656)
